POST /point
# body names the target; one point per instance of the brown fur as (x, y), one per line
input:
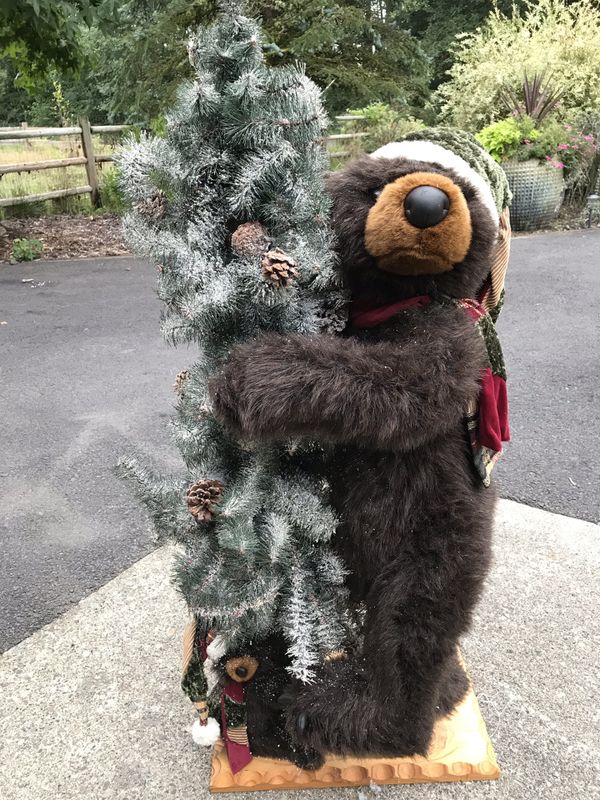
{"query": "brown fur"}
(415, 530)
(404, 249)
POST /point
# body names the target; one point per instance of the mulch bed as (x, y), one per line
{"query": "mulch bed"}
(66, 235)
(95, 236)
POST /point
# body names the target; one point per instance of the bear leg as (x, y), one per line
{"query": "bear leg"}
(386, 701)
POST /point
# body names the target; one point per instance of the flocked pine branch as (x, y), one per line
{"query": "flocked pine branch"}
(243, 145)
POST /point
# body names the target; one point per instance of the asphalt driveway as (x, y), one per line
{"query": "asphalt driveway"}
(550, 332)
(85, 378)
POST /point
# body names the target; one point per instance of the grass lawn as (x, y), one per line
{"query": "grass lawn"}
(26, 183)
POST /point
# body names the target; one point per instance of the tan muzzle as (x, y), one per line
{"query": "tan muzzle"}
(423, 246)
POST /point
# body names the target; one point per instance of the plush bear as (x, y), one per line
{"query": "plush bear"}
(410, 402)
(238, 694)
(264, 690)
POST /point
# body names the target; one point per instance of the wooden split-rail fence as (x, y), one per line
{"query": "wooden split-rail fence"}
(90, 159)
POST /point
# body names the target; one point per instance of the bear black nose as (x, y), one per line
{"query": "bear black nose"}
(241, 672)
(425, 206)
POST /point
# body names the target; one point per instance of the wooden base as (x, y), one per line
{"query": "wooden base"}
(460, 751)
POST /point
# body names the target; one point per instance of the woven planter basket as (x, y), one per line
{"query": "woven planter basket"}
(537, 190)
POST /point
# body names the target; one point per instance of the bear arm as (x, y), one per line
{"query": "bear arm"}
(388, 395)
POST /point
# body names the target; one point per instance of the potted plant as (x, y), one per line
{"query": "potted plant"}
(528, 144)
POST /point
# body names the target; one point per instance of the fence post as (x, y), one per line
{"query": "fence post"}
(90, 164)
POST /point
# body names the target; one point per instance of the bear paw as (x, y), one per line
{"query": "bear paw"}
(324, 715)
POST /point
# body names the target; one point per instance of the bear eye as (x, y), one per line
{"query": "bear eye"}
(375, 193)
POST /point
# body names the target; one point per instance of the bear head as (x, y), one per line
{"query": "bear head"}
(415, 217)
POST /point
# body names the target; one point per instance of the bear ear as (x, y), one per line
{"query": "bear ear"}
(352, 177)
(332, 182)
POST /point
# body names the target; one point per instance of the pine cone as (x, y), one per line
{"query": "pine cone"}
(180, 380)
(203, 497)
(332, 321)
(250, 239)
(279, 268)
(153, 207)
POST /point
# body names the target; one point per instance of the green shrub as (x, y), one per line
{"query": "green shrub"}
(549, 143)
(519, 138)
(502, 139)
(22, 210)
(382, 123)
(537, 98)
(376, 114)
(570, 147)
(27, 249)
(579, 154)
(158, 126)
(111, 194)
(553, 37)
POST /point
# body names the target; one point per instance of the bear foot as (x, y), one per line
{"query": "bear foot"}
(453, 688)
(339, 714)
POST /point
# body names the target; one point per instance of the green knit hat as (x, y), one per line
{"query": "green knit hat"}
(457, 150)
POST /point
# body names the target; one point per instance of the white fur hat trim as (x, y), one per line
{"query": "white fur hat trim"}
(432, 153)
(217, 648)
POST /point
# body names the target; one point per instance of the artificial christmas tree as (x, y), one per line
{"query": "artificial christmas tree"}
(180, 380)
(154, 206)
(231, 207)
(279, 268)
(250, 239)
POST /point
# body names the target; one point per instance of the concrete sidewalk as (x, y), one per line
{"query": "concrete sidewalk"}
(90, 706)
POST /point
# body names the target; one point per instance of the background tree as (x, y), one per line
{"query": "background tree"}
(437, 23)
(131, 60)
(15, 103)
(134, 63)
(353, 48)
(129, 55)
(357, 49)
(37, 35)
(552, 37)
